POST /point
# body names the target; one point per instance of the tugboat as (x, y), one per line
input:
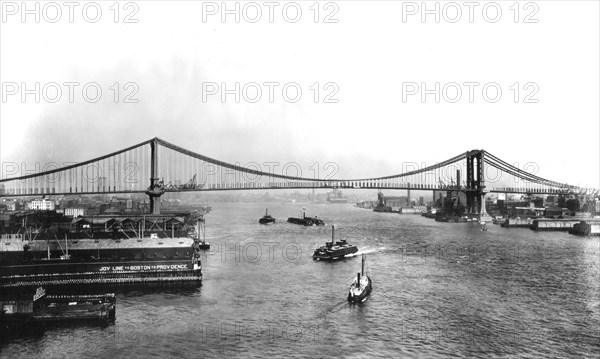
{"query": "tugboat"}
(306, 221)
(361, 286)
(267, 218)
(334, 250)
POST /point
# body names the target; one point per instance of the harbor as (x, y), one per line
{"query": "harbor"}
(423, 273)
(155, 249)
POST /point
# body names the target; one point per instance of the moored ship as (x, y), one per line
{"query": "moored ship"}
(50, 249)
(334, 249)
(31, 311)
(336, 196)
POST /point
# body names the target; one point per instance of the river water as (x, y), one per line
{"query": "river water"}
(439, 290)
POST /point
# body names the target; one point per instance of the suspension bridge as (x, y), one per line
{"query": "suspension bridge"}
(155, 167)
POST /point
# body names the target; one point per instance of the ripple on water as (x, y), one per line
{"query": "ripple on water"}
(439, 290)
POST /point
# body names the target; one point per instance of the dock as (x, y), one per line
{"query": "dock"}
(518, 223)
(577, 226)
(553, 224)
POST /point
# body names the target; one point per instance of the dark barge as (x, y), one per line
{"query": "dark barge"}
(306, 221)
(20, 311)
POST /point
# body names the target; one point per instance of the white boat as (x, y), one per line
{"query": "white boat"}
(361, 286)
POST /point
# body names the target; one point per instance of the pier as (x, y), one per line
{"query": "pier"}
(553, 224)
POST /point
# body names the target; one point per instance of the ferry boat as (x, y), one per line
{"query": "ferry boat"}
(361, 286)
(267, 218)
(334, 250)
(48, 249)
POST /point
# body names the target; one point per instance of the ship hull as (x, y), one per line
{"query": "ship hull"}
(111, 262)
(99, 273)
(306, 221)
(266, 220)
(334, 254)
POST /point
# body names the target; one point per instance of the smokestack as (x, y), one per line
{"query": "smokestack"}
(458, 178)
(332, 233)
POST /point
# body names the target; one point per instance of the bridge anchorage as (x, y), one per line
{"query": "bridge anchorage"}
(171, 168)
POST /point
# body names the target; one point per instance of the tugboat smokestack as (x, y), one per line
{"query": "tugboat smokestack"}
(362, 268)
(332, 233)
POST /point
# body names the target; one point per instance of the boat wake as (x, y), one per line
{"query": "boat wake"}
(366, 251)
(332, 309)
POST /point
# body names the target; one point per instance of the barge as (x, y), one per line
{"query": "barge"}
(19, 312)
(306, 221)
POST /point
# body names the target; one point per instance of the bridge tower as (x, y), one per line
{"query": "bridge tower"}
(475, 184)
(156, 189)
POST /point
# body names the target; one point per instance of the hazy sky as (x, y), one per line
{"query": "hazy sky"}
(176, 51)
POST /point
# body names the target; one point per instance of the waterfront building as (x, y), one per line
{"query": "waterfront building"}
(74, 212)
(43, 205)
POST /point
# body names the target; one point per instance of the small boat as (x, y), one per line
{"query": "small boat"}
(334, 250)
(306, 221)
(361, 286)
(267, 218)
